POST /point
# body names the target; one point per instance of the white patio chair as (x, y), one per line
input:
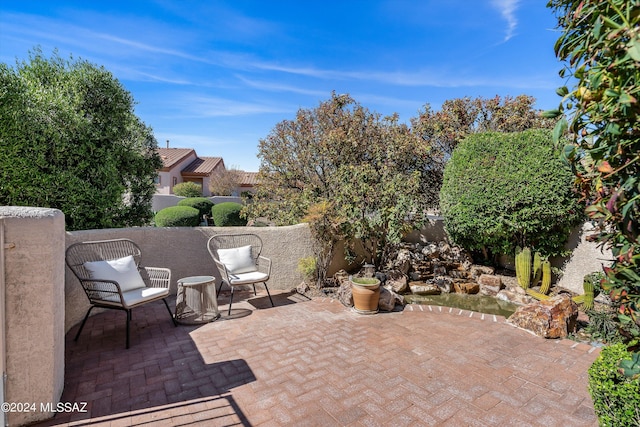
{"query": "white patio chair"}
(238, 259)
(111, 277)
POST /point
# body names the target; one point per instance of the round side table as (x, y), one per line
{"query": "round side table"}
(196, 300)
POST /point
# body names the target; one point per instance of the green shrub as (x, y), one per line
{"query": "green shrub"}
(616, 398)
(187, 189)
(503, 190)
(203, 204)
(178, 216)
(227, 214)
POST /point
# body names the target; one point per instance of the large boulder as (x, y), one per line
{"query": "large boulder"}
(552, 318)
(396, 281)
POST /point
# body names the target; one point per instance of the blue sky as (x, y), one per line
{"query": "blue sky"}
(218, 75)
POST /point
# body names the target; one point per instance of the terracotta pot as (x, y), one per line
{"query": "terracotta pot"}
(366, 295)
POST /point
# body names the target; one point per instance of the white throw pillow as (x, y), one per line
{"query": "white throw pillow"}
(237, 260)
(122, 270)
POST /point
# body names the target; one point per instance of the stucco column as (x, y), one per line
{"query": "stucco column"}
(34, 310)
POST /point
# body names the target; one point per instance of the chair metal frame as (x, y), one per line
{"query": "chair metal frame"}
(230, 241)
(108, 293)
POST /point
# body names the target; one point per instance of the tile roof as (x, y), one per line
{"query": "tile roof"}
(172, 156)
(202, 166)
(248, 178)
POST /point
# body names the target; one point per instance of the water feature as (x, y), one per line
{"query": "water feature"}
(478, 303)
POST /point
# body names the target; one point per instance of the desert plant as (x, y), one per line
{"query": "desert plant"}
(308, 266)
(546, 276)
(187, 189)
(616, 397)
(602, 326)
(523, 267)
(178, 216)
(203, 204)
(588, 287)
(227, 214)
(503, 190)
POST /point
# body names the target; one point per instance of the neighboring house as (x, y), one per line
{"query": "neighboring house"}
(247, 182)
(184, 165)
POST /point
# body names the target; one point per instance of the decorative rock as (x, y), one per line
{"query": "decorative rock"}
(396, 281)
(479, 270)
(445, 283)
(387, 300)
(513, 296)
(344, 294)
(302, 288)
(466, 288)
(420, 288)
(490, 280)
(341, 276)
(553, 318)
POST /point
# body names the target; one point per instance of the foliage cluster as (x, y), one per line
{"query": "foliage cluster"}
(178, 216)
(616, 397)
(503, 190)
(187, 189)
(443, 130)
(70, 140)
(600, 44)
(350, 172)
(203, 204)
(227, 214)
(224, 181)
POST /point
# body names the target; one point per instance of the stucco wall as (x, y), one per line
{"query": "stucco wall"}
(34, 280)
(184, 251)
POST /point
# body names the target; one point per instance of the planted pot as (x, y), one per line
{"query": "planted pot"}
(366, 294)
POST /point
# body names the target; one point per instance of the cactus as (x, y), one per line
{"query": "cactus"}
(546, 277)
(537, 269)
(537, 295)
(523, 267)
(587, 285)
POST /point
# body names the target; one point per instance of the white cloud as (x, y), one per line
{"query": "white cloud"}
(507, 9)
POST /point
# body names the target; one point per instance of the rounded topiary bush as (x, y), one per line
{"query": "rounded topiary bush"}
(227, 214)
(203, 204)
(178, 216)
(616, 398)
(502, 190)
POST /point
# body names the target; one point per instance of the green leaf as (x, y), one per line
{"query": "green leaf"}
(633, 49)
(562, 91)
(550, 114)
(559, 130)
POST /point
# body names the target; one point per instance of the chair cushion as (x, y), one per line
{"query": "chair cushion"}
(121, 270)
(136, 296)
(246, 278)
(237, 260)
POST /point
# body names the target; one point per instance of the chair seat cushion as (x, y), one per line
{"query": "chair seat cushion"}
(121, 270)
(237, 260)
(140, 295)
(247, 278)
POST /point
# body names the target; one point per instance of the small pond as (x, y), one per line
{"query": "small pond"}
(478, 303)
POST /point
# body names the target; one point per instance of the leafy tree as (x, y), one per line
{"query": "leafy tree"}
(224, 181)
(503, 190)
(351, 173)
(600, 44)
(187, 189)
(443, 130)
(70, 140)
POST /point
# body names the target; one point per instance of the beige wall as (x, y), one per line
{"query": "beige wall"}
(34, 301)
(184, 251)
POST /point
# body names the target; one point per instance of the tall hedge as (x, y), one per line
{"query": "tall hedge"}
(503, 190)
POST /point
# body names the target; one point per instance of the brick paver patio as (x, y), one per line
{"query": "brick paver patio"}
(317, 363)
